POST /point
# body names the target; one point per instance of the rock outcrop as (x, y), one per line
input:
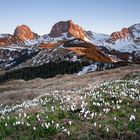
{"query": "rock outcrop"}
(68, 29)
(23, 32)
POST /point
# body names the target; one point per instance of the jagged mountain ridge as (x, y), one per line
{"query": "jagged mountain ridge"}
(67, 30)
(123, 45)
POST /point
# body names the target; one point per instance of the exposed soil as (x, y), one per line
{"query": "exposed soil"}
(19, 90)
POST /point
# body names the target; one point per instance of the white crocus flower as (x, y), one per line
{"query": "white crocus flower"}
(34, 128)
(68, 133)
(135, 110)
(115, 118)
(107, 129)
(6, 124)
(25, 115)
(57, 125)
(132, 117)
(95, 124)
(70, 122)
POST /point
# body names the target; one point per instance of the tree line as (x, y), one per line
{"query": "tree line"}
(52, 69)
(48, 70)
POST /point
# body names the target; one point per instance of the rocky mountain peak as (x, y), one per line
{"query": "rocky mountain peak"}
(131, 33)
(135, 32)
(23, 32)
(68, 28)
(120, 35)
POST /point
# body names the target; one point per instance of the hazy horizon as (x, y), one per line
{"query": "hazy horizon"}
(95, 15)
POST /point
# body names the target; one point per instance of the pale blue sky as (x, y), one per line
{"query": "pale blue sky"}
(103, 16)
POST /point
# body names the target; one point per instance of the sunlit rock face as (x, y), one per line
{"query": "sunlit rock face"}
(23, 32)
(68, 28)
(132, 33)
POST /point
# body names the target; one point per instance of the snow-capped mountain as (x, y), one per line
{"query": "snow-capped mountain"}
(63, 31)
(126, 40)
(67, 30)
(97, 38)
(70, 38)
(21, 34)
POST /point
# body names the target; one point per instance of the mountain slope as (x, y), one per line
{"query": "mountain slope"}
(126, 40)
(68, 39)
(87, 50)
(21, 33)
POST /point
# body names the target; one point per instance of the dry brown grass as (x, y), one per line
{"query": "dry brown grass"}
(77, 50)
(19, 90)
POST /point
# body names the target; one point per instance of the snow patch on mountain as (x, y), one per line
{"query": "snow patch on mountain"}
(2, 36)
(98, 38)
(48, 39)
(33, 42)
(63, 37)
(136, 30)
(125, 46)
(13, 47)
(137, 53)
(86, 69)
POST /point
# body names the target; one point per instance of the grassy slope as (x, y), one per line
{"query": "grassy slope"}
(110, 111)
